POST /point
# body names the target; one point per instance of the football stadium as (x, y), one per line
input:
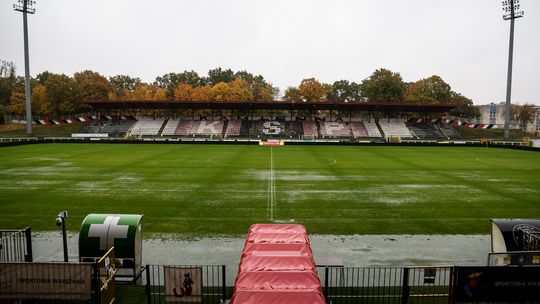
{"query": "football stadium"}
(360, 184)
(357, 183)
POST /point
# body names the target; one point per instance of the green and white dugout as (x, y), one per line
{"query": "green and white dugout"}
(100, 232)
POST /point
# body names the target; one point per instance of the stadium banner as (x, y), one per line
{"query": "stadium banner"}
(485, 284)
(271, 142)
(89, 135)
(45, 281)
(183, 285)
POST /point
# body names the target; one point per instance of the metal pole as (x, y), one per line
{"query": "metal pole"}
(27, 73)
(508, 107)
(64, 239)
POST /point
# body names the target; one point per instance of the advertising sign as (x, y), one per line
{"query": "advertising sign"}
(484, 284)
(45, 281)
(183, 285)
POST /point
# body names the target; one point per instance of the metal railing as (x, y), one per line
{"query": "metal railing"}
(388, 285)
(16, 245)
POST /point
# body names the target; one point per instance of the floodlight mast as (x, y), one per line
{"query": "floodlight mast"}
(511, 10)
(26, 7)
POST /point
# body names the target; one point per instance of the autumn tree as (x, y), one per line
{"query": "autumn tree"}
(240, 90)
(146, 91)
(183, 92)
(89, 85)
(171, 81)
(383, 85)
(202, 93)
(17, 104)
(432, 90)
(524, 114)
(221, 92)
(293, 94)
(260, 88)
(312, 90)
(40, 102)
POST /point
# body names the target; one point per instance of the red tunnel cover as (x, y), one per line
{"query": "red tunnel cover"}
(277, 238)
(276, 263)
(273, 280)
(280, 228)
(277, 297)
(277, 250)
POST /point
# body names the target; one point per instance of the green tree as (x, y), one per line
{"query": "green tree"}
(60, 90)
(465, 107)
(383, 85)
(124, 85)
(8, 81)
(218, 75)
(42, 77)
(432, 90)
(343, 90)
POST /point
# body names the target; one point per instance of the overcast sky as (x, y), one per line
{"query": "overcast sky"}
(463, 41)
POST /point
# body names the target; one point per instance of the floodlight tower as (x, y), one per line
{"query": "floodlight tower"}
(511, 12)
(26, 7)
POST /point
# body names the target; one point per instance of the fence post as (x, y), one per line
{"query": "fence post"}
(28, 235)
(147, 285)
(224, 285)
(405, 290)
(96, 283)
(326, 283)
(452, 282)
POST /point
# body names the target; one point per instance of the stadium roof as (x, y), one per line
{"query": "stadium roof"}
(271, 105)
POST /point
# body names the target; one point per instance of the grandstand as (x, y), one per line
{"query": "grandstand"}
(170, 127)
(292, 121)
(395, 129)
(448, 130)
(425, 130)
(334, 129)
(147, 126)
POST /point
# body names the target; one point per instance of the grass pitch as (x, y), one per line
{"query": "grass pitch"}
(210, 190)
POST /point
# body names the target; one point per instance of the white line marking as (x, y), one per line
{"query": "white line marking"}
(271, 204)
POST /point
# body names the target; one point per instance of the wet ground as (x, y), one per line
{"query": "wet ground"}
(354, 251)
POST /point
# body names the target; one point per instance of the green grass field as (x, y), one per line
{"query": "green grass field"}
(210, 190)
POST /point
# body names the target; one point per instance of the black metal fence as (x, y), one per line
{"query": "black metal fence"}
(159, 281)
(16, 245)
(388, 285)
